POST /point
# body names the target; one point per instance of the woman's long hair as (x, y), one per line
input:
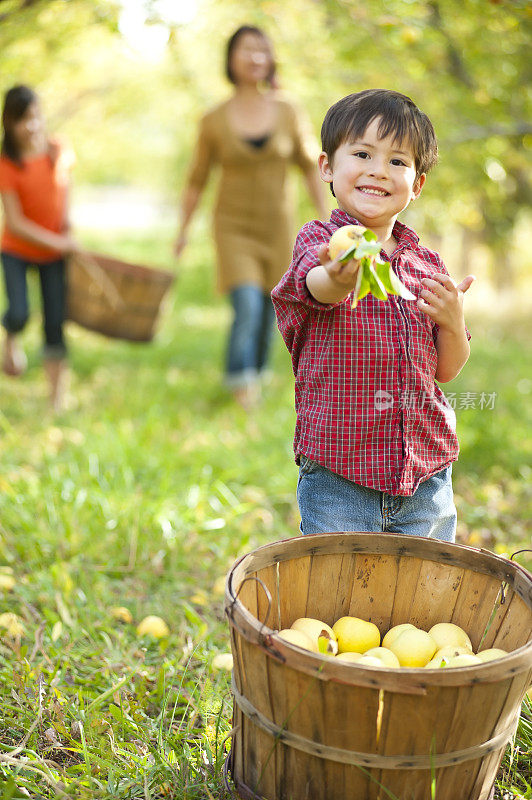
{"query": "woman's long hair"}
(16, 102)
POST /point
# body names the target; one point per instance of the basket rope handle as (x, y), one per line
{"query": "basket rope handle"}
(266, 592)
(98, 275)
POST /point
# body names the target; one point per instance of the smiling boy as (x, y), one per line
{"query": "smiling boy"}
(375, 437)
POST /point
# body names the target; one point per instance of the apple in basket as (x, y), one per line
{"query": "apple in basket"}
(358, 641)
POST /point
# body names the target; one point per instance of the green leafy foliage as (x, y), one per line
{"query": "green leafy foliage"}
(375, 276)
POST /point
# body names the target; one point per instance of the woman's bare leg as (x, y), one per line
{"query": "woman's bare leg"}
(14, 361)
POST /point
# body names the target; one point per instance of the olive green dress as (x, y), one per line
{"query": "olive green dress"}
(253, 217)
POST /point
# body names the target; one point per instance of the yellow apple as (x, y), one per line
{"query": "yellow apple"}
(313, 628)
(388, 658)
(122, 614)
(153, 626)
(298, 638)
(435, 663)
(349, 656)
(223, 661)
(413, 648)
(451, 651)
(447, 633)
(7, 582)
(491, 654)
(344, 238)
(463, 660)
(370, 661)
(12, 624)
(394, 632)
(355, 635)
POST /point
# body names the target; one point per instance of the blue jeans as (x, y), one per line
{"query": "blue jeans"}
(52, 278)
(250, 336)
(329, 503)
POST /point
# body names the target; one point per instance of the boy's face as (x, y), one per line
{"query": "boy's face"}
(373, 179)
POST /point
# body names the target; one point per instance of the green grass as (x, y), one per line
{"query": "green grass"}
(142, 495)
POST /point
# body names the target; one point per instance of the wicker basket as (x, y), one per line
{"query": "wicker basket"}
(309, 727)
(114, 297)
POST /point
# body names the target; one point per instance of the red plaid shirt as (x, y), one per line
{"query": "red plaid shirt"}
(367, 405)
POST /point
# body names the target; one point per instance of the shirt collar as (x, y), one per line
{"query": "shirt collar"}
(403, 235)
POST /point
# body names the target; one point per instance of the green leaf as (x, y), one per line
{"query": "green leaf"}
(377, 288)
(361, 249)
(356, 290)
(348, 254)
(391, 282)
(11, 790)
(365, 248)
(365, 285)
(382, 269)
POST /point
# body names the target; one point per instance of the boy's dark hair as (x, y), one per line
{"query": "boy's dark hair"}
(16, 102)
(233, 41)
(349, 118)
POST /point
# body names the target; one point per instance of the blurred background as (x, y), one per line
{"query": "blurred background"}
(125, 83)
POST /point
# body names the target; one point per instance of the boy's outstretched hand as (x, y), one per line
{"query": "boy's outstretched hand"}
(343, 273)
(332, 281)
(443, 301)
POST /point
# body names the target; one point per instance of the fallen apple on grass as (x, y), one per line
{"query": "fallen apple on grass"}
(153, 626)
(374, 275)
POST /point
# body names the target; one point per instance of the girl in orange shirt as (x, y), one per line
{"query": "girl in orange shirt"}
(34, 189)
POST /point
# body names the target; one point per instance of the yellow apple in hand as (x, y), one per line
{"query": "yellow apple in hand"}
(343, 239)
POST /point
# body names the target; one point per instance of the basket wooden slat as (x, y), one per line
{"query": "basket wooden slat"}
(114, 297)
(311, 727)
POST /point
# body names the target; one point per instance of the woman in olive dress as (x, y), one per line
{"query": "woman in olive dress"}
(255, 137)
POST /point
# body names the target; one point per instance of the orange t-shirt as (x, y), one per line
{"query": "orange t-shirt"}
(41, 187)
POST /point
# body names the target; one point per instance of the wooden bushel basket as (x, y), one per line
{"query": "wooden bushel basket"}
(309, 727)
(114, 297)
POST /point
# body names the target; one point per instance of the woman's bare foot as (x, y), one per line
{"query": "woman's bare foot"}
(58, 378)
(247, 396)
(14, 360)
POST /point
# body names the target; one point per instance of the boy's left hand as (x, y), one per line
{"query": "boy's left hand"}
(442, 300)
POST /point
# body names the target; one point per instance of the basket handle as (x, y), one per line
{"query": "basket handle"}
(266, 592)
(524, 550)
(99, 277)
(523, 570)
